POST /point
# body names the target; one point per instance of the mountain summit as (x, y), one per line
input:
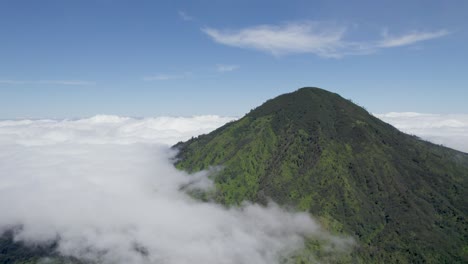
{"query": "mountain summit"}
(402, 198)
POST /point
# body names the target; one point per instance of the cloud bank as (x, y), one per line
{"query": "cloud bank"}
(108, 129)
(450, 130)
(319, 38)
(105, 188)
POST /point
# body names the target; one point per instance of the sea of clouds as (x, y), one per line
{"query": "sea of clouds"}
(450, 130)
(105, 188)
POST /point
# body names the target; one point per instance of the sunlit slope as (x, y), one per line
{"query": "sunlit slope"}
(402, 198)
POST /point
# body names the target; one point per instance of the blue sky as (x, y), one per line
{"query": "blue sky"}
(68, 58)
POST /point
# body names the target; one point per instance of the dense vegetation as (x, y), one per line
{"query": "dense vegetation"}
(14, 252)
(403, 199)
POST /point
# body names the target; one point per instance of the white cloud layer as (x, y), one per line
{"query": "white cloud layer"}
(450, 130)
(319, 38)
(106, 188)
(108, 129)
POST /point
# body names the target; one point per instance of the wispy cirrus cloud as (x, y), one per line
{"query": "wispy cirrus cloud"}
(56, 82)
(166, 77)
(320, 38)
(306, 37)
(184, 16)
(226, 67)
(410, 38)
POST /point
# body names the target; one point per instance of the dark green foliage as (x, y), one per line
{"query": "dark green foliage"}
(13, 252)
(402, 198)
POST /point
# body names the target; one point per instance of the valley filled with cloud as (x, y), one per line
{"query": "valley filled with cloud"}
(105, 189)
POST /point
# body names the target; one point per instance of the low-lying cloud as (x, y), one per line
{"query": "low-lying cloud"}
(450, 130)
(106, 189)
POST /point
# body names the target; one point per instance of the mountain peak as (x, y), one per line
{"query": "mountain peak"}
(318, 111)
(308, 100)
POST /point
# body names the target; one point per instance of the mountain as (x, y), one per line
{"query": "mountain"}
(403, 199)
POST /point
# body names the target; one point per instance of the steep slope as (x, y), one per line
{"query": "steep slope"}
(402, 198)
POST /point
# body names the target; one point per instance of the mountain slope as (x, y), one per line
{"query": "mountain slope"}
(402, 198)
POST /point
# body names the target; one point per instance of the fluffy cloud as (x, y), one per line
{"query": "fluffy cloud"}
(105, 187)
(319, 38)
(450, 130)
(107, 129)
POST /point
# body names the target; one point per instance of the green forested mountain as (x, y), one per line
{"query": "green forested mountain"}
(403, 199)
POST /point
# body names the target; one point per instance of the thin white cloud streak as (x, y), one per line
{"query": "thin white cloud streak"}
(226, 68)
(410, 38)
(184, 16)
(319, 38)
(105, 187)
(166, 77)
(450, 130)
(278, 40)
(56, 82)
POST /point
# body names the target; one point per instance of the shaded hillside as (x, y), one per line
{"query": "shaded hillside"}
(14, 252)
(402, 198)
